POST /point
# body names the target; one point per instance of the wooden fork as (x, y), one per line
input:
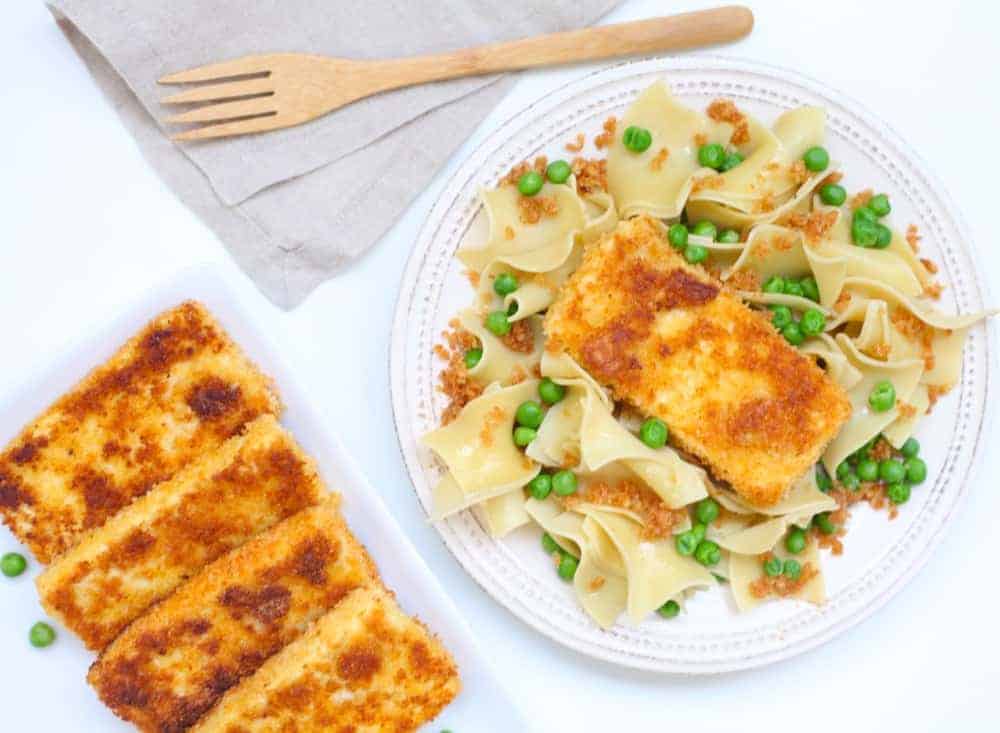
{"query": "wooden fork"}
(271, 91)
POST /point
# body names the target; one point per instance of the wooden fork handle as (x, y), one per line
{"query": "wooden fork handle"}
(672, 33)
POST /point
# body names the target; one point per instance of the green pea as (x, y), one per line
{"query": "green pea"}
(824, 524)
(879, 203)
(707, 510)
(530, 183)
(41, 635)
(792, 569)
(695, 253)
(843, 470)
(637, 139)
(781, 316)
(812, 322)
(558, 171)
(698, 530)
(816, 159)
(882, 397)
(567, 567)
(864, 233)
(891, 471)
(916, 470)
(712, 155)
(529, 414)
(898, 493)
(473, 357)
(910, 448)
(707, 553)
(832, 194)
(564, 483)
(704, 228)
(773, 566)
(794, 288)
(504, 284)
(810, 288)
(851, 482)
(868, 470)
(774, 284)
(729, 236)
(13, 564)
(670, 609)
(540, 486)
(793, 334)
(523, 436)
(795, 541)
(548, 544)
(550, 392)
(497, 323)
(677, 235)
(863, 213)
(654, 433)
(732, 160)
(823, 480)
(686, 543)
(883, 236)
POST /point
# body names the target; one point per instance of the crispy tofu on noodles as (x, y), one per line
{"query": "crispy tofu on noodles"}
(144, 552)
(365, 667)
(178, 388)
(173, 664)
(667, 338)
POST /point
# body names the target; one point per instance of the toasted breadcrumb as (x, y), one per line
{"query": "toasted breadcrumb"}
(707, 182)
(658, 520)
(514, 174)
(607, 137)
(596, 584)
(765, 204)
(842, 301)
(933, 290)
(835, 177)
(906, 410)
(531, 209)
(913, 237)
(800, 174)
(782, 585)
(861, 198)
(508, 232)
(591, 175)
(934, 393)
(520, 338)
(577, 146)
(930, 265)
(725, 110)
(455, 382)
(661, 157)
(493, 418)
(700, 139)
(814, 225)
(917, 331)
(878, 351)
(746, 280)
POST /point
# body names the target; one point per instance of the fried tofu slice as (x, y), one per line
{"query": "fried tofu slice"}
(670, 340)
(177, 389)
(365, 667)
(170, 666)
(140, 555)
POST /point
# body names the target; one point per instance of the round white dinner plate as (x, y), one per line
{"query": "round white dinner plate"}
(880, 555)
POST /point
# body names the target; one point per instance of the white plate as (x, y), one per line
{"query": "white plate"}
(880, 555)
(46, 690)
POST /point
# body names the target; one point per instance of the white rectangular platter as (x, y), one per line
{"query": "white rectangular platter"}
(46, 690)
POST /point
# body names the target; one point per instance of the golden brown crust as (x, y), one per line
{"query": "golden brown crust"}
(147, 550)
(366, 666)
(177, 389)
(669, 340)
(171, 665)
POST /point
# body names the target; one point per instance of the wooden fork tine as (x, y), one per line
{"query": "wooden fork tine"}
(231, 129)
(226, 111)
(222, 70)
(228, 90)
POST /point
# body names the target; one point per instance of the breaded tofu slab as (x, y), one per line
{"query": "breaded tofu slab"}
(178, 389)
(170, 666)
(140, 555)
(667, 338)
(364, 667)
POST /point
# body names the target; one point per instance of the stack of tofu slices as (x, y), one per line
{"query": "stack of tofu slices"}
(193, 545)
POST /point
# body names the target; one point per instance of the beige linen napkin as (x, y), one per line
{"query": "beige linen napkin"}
(294, 206)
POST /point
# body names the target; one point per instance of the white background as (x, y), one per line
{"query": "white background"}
(86, 226)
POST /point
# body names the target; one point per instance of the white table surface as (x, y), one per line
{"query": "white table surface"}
(86, 226)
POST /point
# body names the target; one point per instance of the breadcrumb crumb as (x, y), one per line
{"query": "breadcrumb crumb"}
(591, 175)
(454, 381)
(607, 137)
(577, 146)
(725, 110)
(661, 157)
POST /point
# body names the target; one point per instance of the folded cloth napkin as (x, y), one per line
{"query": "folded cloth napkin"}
(295, 206)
